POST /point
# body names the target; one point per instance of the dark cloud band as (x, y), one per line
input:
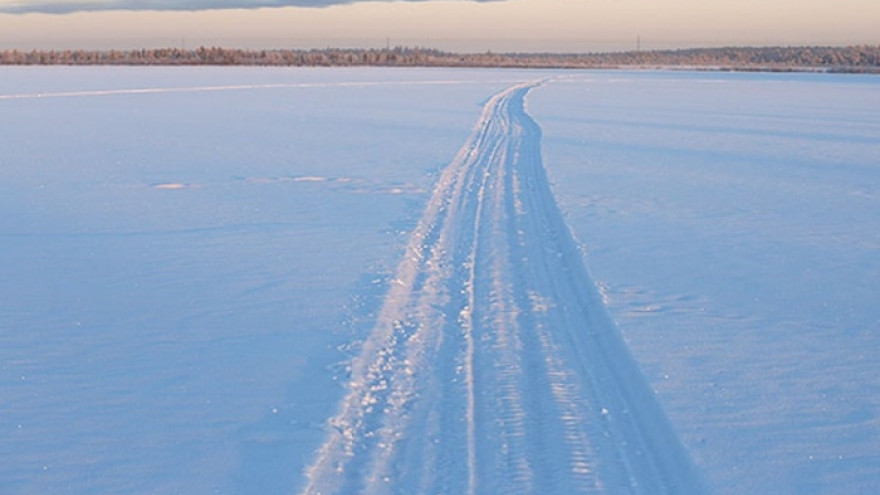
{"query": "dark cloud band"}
(66, 7)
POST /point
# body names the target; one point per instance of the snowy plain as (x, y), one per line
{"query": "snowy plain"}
(193, 257)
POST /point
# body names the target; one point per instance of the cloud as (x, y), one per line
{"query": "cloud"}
(69, 6)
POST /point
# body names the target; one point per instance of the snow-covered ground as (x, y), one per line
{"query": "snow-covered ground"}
(733, 221)
(343, 280)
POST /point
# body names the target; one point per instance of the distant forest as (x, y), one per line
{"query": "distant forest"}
(862, 59)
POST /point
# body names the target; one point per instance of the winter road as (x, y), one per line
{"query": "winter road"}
(493, 366)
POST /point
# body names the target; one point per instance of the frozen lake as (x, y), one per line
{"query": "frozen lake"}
(205, 271)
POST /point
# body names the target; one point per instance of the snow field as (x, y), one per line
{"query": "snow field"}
(731, 221)
(283, 280)
(171, 340)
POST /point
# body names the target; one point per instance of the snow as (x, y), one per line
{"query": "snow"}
(732, 221)
(267, 280)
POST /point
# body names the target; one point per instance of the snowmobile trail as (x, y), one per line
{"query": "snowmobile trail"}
(493, 366)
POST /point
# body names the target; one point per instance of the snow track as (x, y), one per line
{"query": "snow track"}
(224, 88)
(493, 366)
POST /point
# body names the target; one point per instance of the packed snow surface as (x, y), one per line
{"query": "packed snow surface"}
(230, 280)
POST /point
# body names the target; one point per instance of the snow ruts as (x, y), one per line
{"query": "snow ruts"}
(493, 366)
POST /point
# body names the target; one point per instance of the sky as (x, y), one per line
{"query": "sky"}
(458, 25)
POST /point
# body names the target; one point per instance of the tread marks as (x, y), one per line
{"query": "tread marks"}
(493, 367)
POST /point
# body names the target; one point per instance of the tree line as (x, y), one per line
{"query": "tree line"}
(862, 58)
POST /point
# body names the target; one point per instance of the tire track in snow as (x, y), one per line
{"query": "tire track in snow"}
(493, 366)
(224, 88)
